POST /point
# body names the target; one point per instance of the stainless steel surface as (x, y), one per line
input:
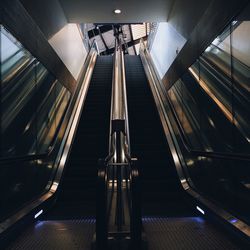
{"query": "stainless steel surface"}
(127, 142)
(155, 83)
(118, 112)
(118, 161)
(65, 144)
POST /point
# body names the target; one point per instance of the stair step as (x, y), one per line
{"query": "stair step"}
(91, 140)
(159, 180)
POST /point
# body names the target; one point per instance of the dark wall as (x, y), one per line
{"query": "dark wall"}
(48, 14)
(17, 20)
(185, 15)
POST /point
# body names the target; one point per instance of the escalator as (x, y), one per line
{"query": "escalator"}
(74, 209)
(90, 144)
(110, 205)
(168, 218)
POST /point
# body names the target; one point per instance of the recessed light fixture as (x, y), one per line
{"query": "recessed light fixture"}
(117, 11)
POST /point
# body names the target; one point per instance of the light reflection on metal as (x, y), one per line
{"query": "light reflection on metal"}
(223, 108)
(27, 127)
(190, 162)
(211, 122)
(118, 112)
(54, 186)
(233, 220)
(39, 162)
(204, 86)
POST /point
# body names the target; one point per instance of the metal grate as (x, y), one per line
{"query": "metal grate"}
(188, 233)
(52, 235)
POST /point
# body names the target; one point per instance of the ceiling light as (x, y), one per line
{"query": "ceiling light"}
(117, 11)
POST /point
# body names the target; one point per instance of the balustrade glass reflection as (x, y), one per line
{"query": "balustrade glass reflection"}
(33, 105)
(212, 104)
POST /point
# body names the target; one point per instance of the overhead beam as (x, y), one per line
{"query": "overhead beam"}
(125, 43)
(131, 43)
(103, 41)
(132, 38)
(102, 29)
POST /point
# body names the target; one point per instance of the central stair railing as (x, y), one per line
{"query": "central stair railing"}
(118, 217)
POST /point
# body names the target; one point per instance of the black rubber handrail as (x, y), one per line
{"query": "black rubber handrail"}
(199, 153)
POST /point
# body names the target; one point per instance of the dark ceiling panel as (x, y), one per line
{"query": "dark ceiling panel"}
(100, 11)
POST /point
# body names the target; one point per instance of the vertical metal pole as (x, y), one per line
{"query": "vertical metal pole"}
(119, 184)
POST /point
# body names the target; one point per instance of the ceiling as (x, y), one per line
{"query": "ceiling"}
(104, 36)
(101, 11)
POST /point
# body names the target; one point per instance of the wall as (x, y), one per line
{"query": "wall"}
(240, 43)
(166, 44)
(69, 46)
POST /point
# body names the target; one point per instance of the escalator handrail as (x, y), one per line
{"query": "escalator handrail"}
(18, 72)
(119, 110)
(233, 57)
(119, 143)
(32, 157)
(12, 55)
(199, 153)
